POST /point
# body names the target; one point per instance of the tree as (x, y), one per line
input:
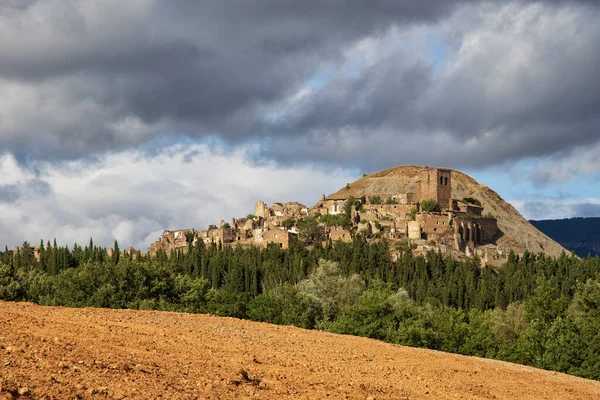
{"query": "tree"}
(116, 255)
(309, 230)
(288, 223)
(351, 201)
(373, 315)
(430, 206)
(412, 214)
(330, 289)
(284, 305)
(336, 220)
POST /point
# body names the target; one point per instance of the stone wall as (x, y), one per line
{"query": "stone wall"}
(396, 212)
(470, 209)
(261, 210)
(171, 240)
(339, 233)
(488, 228)
(278, 236)
(214, 234)
(334, 206)
(414, 230)
(435, 224)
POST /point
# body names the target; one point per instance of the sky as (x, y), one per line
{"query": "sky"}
(119, 120)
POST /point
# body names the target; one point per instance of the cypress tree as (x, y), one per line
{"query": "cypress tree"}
(116, 255)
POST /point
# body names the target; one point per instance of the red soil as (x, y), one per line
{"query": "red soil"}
(53, 352)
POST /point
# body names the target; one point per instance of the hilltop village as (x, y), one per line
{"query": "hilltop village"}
(425, 217)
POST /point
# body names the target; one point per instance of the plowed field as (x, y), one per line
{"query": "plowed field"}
(53, 352)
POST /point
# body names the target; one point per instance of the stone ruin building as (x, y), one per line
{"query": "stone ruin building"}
(267, 225)
(458, 227)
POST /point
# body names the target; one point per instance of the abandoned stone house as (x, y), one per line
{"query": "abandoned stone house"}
(265, 226)
(35, 250)
(335, 233)
(282, 237)
(457, 224)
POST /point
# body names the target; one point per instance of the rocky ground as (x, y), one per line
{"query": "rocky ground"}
(53, 352)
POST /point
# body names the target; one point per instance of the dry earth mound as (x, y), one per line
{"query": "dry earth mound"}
(519, 234)
(51, 352)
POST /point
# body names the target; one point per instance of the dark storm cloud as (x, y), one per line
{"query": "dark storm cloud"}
(106, 74)
(523, 83)
(519, 79)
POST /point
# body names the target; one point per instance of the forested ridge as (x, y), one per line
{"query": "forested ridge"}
(534, 310)
(581, 235)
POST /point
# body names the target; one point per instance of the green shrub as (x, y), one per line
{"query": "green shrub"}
(288, 223)
(412, 214)
(336, 220)
(284, 305)
(471, 200)
(309, 230)
(375, 199)
(331, 289)
(430, 206)
(351, 201)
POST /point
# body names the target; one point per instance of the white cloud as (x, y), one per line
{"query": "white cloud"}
(558, 209)
(132, 196)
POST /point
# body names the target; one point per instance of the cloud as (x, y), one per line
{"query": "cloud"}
(519, 82)
(344, 83)
(576, 163)
(132, 196)
(557, 209)
(83, 77)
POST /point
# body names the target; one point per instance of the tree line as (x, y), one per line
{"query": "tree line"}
(534, 310)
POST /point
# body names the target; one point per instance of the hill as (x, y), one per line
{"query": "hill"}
(581, 235)
(52, 352)
(421, 208)
(517, 233)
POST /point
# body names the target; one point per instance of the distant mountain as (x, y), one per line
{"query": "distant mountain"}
(581, 235)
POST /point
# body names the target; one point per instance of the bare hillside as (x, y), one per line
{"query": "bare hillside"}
(519, 234)
(62, 353)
